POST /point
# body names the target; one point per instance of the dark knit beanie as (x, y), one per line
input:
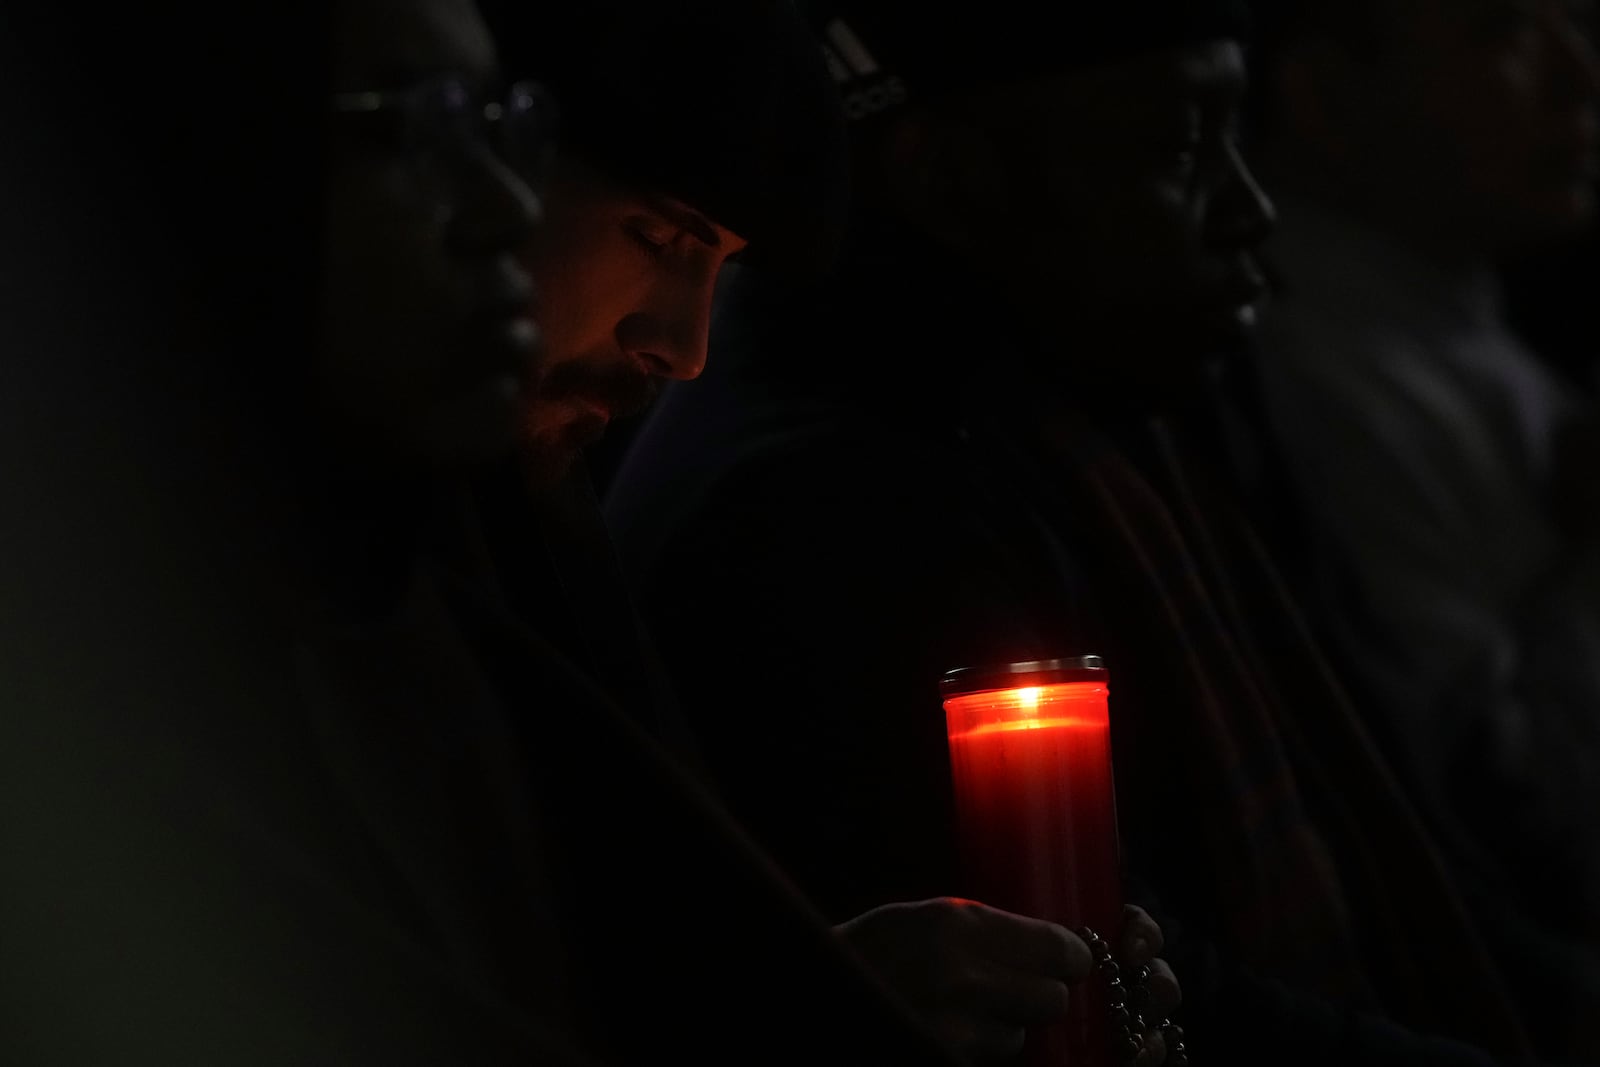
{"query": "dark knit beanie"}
(724, 104)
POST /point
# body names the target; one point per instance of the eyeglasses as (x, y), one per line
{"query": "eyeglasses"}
(448, 129)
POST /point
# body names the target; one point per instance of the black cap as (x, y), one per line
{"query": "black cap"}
(886, 52)
(723, 104)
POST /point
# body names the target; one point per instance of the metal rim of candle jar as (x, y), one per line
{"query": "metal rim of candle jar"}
(967, 680)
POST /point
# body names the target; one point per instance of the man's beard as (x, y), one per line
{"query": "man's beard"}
(619, 389)
(549, 457)
(582, 386)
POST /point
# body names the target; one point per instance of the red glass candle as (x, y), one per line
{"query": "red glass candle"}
(1030, 754)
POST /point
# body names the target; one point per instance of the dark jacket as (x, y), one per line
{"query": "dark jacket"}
(419, 834)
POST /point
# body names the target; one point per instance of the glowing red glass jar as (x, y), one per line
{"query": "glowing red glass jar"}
(1030, 754)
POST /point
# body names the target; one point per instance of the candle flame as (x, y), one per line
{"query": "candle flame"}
(1076, 705)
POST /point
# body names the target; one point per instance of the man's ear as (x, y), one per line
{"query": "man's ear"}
(944, 176)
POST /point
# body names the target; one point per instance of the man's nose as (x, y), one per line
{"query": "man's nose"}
(1245, 215)
(670, 336)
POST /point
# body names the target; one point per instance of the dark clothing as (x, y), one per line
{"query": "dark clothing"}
(419, 835)
(683, 937)
(813, 563)
(556, 570)
(236, 832)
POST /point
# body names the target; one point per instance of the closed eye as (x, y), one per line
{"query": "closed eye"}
(653, 237)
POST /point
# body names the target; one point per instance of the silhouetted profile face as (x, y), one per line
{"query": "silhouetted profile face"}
(625, 280)
(1110, 204)
(428, 347)
(1469, 121)
(1148, 218)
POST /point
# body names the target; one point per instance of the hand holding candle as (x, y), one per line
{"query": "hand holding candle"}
(974, 975)
(1030, 756)
(1139, 946)
(977, 977)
